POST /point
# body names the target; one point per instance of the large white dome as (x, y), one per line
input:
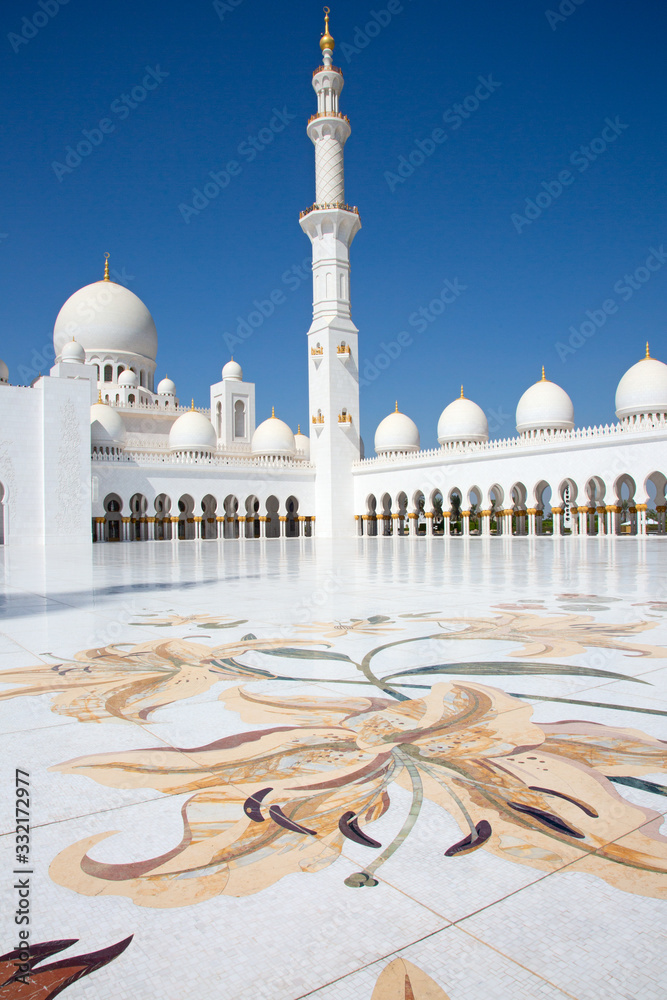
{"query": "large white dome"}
(192, 432)
(462, 420)
(273, 438)
(643, 389)
(107, 429)
(544, 407)
(106, 318)
(396, 433)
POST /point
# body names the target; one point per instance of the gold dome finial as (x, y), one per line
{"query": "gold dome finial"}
(462, 396)
(106, 267)
(396, 410)
(326, 41)
(273, 411)
(298, 428)
(647, 350)
(99, 395)
(544, 378)
(193, 406)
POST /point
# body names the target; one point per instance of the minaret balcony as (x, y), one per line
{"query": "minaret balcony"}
(329, 205)
(328, 114)
(327, 69)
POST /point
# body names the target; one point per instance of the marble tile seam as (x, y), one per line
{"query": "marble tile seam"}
(369, 965)
(526, 968)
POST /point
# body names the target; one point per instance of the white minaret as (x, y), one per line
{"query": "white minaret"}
(333, 356)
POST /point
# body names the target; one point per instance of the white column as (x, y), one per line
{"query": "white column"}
(641, 518)
(556, 516)
(602, 520)
(465, 522)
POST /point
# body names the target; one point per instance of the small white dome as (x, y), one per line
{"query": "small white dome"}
(643, 389)
(462, 420)
(233, 371)
(396, 433)
(544, 407)
(73, 351)
(273, 438)
(302, 443)
(128, 378)
(192, 432)
(4, 372)
(108, 318)
(107, 429)
(166, 387)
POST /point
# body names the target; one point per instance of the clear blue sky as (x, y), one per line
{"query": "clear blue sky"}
(559, 80)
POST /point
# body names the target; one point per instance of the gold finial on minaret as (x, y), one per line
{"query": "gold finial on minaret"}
(462, 396)
(106, 267)
(326, 41)
(647, 351)
(544, 378)
(273, 411)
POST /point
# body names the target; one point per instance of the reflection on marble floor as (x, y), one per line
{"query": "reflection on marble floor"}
(237, 742)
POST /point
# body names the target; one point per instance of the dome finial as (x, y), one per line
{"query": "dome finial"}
(99, 395)
(462, 396)
(396, 410)
(544, 378)
(273, 411)
(647, 350)
(193, 406)
(326, 41)
(298, 428)
(106, 267)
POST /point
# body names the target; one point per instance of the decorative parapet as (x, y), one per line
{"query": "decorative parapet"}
(344, 418)
(156, 409)
(328, 205)
(319, 419)
(317, 350)
(547, 441)
(328, 114)
(327, 69)
(154, 458)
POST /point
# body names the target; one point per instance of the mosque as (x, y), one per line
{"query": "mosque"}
(97, 449)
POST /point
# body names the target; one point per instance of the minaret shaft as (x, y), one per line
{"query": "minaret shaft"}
(333, 355)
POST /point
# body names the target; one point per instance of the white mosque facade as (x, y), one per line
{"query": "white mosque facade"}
(98, 450)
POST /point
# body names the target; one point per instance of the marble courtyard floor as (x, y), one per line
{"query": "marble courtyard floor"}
(386, 768)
